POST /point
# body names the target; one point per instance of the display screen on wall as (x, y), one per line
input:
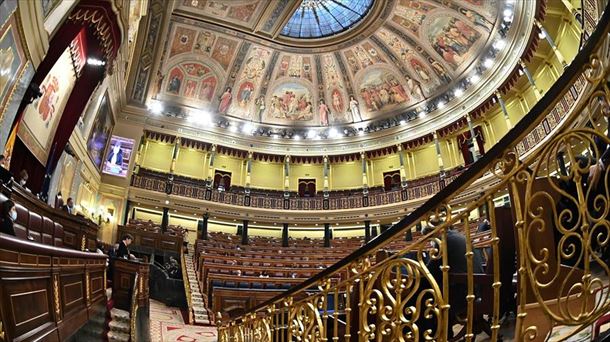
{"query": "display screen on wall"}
(118, 156)
(98, 137)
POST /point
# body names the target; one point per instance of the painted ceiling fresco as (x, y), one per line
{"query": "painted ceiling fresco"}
(420, 51)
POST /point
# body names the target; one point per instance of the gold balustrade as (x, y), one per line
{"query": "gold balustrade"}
(555, 235)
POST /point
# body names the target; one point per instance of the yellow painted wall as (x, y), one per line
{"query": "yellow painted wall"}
(380, 165)
(267, 175)
(307, 171)
(147, 214)
(274, 233)
(157, 156)
(425, 161)
(223, 227)
(346, 175)
(231, 164)
(191, 163)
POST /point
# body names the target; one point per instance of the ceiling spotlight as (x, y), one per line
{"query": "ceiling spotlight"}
(333, 133)
(166, 201)
(475, 78)
(275, 136)
(402, 122)
(508, 13)
(296, 137)
(311, 134)
(95, 62)
(488, 63)
(233, 128)
(360, 132)
(542, 35)
(421, 114)
(248, 128)
(440, 104)
(458, 92)
(500, 44)
(155, 107)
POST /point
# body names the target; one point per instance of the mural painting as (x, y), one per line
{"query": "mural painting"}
(362, 56)
(410, 58)
(248, 83)
(452, 39)
(41, 117)
(381, 90)
(290, 101)
(410, 14)
(182, 41)
(223, 51)
(193, 81)
(10, 62)
(48, 6)
(204, 42)
(295, 66)
(208, 88)
(176, 76)
(100, 132)
(330, 72)
(241, 12)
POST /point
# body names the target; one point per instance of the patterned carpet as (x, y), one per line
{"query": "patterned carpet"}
(167, 325)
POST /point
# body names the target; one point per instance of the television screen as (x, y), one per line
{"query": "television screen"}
(118, 156)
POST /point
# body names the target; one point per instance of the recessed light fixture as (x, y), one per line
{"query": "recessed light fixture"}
(499, 44)
(155, 107)
(311, 134)
(95, 62)
(458, 92)
(475, 78)
(488, 63)
(296, 137)
(333, 133)
(166, 201)
(402, 122)
(421, 114)
(248, 128)
(440, 104)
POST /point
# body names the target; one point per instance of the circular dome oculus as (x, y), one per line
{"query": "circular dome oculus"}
(322, 18)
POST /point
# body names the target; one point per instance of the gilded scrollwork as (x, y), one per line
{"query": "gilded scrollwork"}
(56, 295)
(402, 302)
(573, 206)
(305, 321)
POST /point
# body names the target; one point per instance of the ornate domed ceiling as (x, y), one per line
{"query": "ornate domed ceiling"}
(288, 66)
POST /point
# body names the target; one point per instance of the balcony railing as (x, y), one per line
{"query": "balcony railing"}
(554, 235)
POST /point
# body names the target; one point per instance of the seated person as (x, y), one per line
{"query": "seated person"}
(8, 215)
(123, 251)
(23, 178)
(69, 207)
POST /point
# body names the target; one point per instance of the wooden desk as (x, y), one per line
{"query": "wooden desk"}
(123, 277)
(47, 293)
(155, 241)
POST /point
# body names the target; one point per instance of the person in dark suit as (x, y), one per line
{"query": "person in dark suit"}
(69, 207)
(8, 215)
(123, 251)
(484, 226)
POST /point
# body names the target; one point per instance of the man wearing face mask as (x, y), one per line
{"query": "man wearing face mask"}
(69, 207)
(8, 213)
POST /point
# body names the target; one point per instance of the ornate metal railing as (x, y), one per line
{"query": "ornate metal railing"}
(554, 235)
(192, 188)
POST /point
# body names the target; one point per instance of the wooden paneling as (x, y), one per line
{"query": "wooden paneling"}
(157, 241)
(76, 229)
(124, 272)
(43, 292)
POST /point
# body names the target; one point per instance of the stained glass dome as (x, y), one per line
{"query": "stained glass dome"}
(323, 18)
